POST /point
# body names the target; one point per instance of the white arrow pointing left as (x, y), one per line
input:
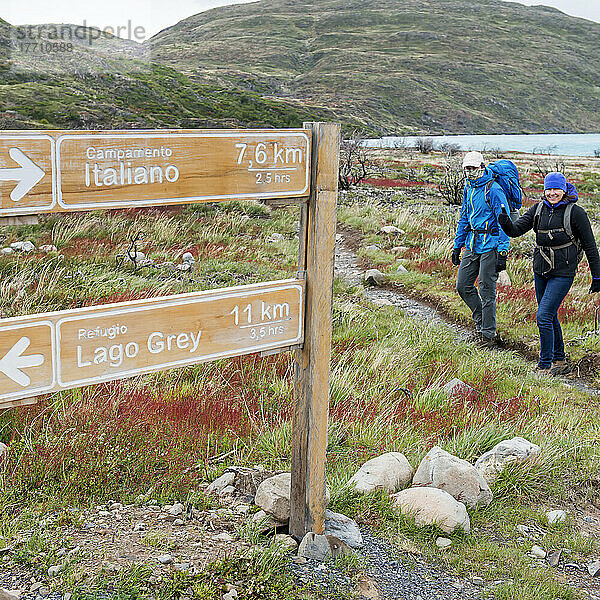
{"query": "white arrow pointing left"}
(28, 174)
(13, 363)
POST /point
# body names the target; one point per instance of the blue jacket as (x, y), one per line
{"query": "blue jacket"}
(478, 228)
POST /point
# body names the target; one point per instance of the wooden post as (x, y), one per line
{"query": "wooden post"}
(317, 247)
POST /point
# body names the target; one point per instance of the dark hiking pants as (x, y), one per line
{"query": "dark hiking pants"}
(483, 302)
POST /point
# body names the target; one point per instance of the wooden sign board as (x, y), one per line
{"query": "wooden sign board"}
(62, 171)
(67, 349)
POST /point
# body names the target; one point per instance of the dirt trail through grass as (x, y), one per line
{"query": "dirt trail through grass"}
(347, 267)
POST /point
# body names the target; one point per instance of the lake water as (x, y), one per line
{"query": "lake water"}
(569, 144)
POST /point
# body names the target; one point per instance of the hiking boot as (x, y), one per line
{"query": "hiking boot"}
(560, 367)
(542, 371)
(488, 342)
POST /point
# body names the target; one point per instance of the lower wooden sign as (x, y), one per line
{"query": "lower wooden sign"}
(67, 349)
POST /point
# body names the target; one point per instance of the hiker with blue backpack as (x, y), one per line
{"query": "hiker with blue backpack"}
(562, 233)
(487, 189)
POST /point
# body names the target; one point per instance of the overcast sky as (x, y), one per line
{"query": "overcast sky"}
(154, 15)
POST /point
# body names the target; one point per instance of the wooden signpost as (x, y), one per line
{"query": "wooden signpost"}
(63, 171)
(66, 349)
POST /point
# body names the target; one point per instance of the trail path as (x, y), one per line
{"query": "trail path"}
(347, 267)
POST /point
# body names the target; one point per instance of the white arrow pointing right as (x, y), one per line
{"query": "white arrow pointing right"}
(13, 362)
(28, 174)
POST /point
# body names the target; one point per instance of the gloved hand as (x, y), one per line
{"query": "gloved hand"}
(456, 256)
(503, 217)
(595, 287)
(501, 261)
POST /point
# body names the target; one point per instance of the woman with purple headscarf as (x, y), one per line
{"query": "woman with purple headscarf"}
(562, 233)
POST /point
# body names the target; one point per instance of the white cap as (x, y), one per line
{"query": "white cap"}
(473, 159)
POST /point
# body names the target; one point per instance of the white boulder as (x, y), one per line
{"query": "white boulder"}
(517, 449)
(390, 472)
(442, 470)
(374, 277)
(273, 496)
(431, 506)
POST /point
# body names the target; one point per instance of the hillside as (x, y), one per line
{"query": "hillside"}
(403, 65)
(109, 85)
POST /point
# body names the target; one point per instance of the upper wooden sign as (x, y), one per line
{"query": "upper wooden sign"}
(60, 171)
(67, 349)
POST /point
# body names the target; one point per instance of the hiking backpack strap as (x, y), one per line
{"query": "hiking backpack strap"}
(547, 252)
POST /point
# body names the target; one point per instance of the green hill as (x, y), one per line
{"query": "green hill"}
(403, 65)
(108, 85)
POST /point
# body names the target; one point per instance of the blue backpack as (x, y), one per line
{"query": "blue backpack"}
(507, 175)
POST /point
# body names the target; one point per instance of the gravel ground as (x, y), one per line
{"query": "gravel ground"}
(394, 576)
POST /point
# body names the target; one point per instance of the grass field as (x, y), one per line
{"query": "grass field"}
(155, 434)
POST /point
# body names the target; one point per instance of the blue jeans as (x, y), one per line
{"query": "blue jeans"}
(550, 292)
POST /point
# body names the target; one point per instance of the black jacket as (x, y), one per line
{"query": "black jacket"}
(565, 259)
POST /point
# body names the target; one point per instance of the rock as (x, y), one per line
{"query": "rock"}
(442, 470)
(178, 522)
(286, 543)
(275, 237)
(54, 570)
(553, 557)
(314, 546)
(538, 552)
(400, 249)
(442, 542)
(504, 279)
(343, 528)
(372, 248)
(139, 527)
(431, 506)
(506, 452)
(10, 594)
(456, 387)
(390, 472)
(43, 591)
(165, 559)
(186, 266)
(273, 496)
(523, 529)
(23, 246)
(223, 537)
(36, 586)
(227, 491)
(221, 483)
(478, 581)
(338, 547)
(374, 277)
(181, 567)
(177, 509)
(391, 230)
(135, 257)
(267, 522)
(401, 269)
(7, 250)
(48, 248)
(3, 449)
(381, 302)
(367, 588)
(556, 516)
(594, 568)
(300, 560)
(67, 596)
(231, 595)
(242, 509)
(188, 257)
